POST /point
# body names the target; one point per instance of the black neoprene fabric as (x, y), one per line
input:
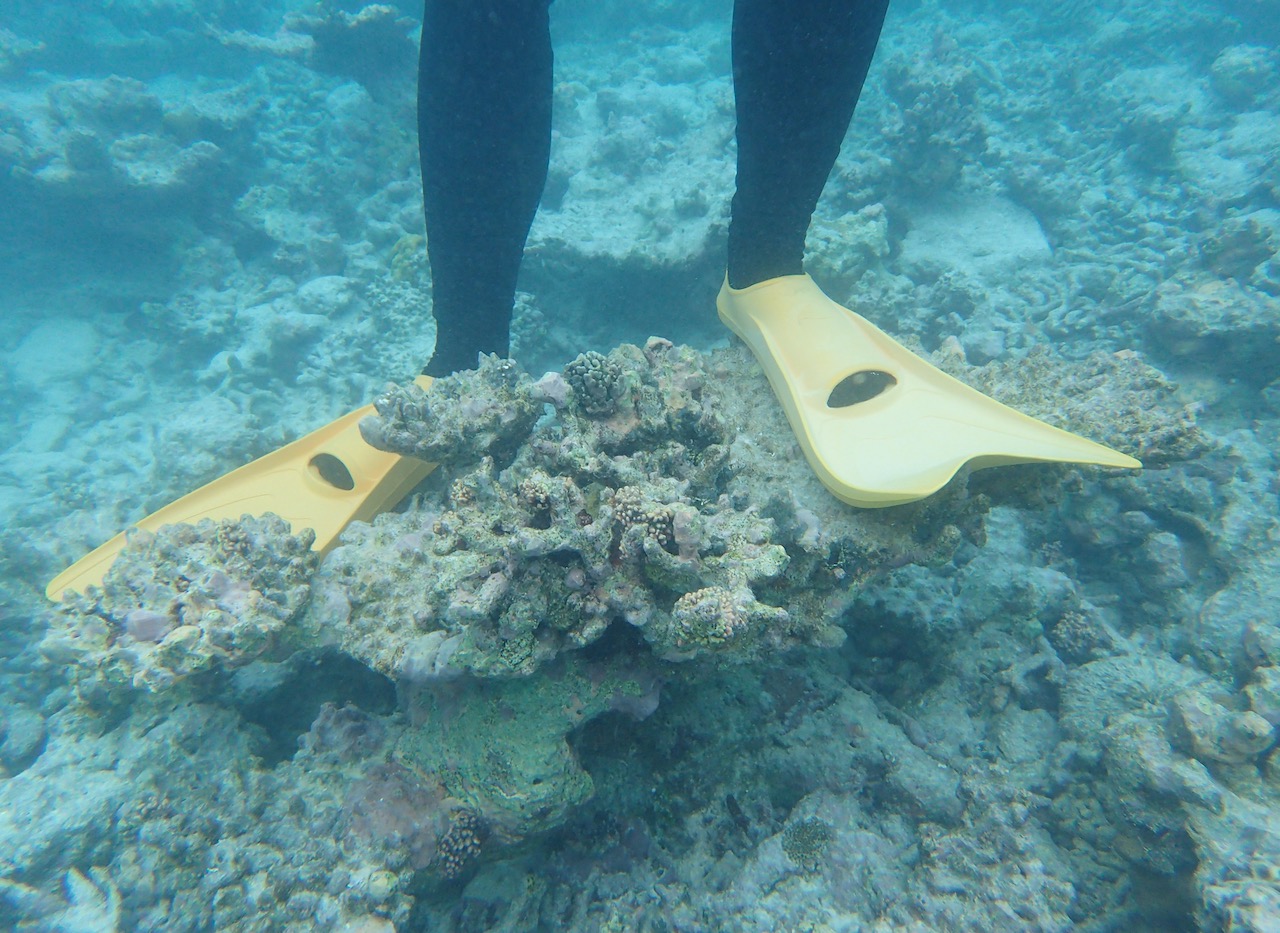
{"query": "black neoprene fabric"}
(798, 68)
(484, 137)
(484, 125)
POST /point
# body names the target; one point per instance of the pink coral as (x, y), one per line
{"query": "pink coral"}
(393, 808)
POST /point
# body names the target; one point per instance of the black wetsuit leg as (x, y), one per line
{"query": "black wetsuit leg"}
(484, 136)
(798, 68)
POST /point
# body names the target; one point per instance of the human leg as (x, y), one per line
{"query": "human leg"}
(484, 136)
(878, 425)
(798, 69)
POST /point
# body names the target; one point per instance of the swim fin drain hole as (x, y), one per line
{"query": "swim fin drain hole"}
(333, 471)
(859, 387)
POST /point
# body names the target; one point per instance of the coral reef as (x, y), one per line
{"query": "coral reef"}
(460, 843)
(23, 733)
(108, 137)
(806, 842)
(1238, 844)
(571, 550)
(939, 116)
(463, 419)
(373, 45)
(584, 530)
(1117, 399)
(186, 600)
(501, 748)
(13, 49)
(1244, 74)
(622, 663)
(578, 516)
(179, 839)
(596, 381)
(1217, 324)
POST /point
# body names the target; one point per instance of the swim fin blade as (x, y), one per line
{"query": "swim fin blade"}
(323, 481)
(878, 424)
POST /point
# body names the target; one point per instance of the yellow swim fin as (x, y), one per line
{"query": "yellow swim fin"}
(323, 481)
(878, 424)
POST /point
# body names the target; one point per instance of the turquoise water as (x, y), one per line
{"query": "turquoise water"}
(1044, 699)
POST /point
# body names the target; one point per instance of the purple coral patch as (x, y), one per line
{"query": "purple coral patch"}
(148, 625)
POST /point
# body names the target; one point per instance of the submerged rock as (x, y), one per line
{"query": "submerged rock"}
(650, 511)
(186, 600)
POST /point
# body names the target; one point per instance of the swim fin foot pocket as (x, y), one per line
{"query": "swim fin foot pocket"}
(323, 481)
(878, 424)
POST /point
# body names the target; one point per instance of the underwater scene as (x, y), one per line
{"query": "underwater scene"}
(613, 641)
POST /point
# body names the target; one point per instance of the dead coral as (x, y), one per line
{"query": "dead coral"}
(638, 517)
(939, 116)
(389, 808)
(1117, 399)
(187, 599)
(1220, 324)
(373, 45)
(486, 411)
